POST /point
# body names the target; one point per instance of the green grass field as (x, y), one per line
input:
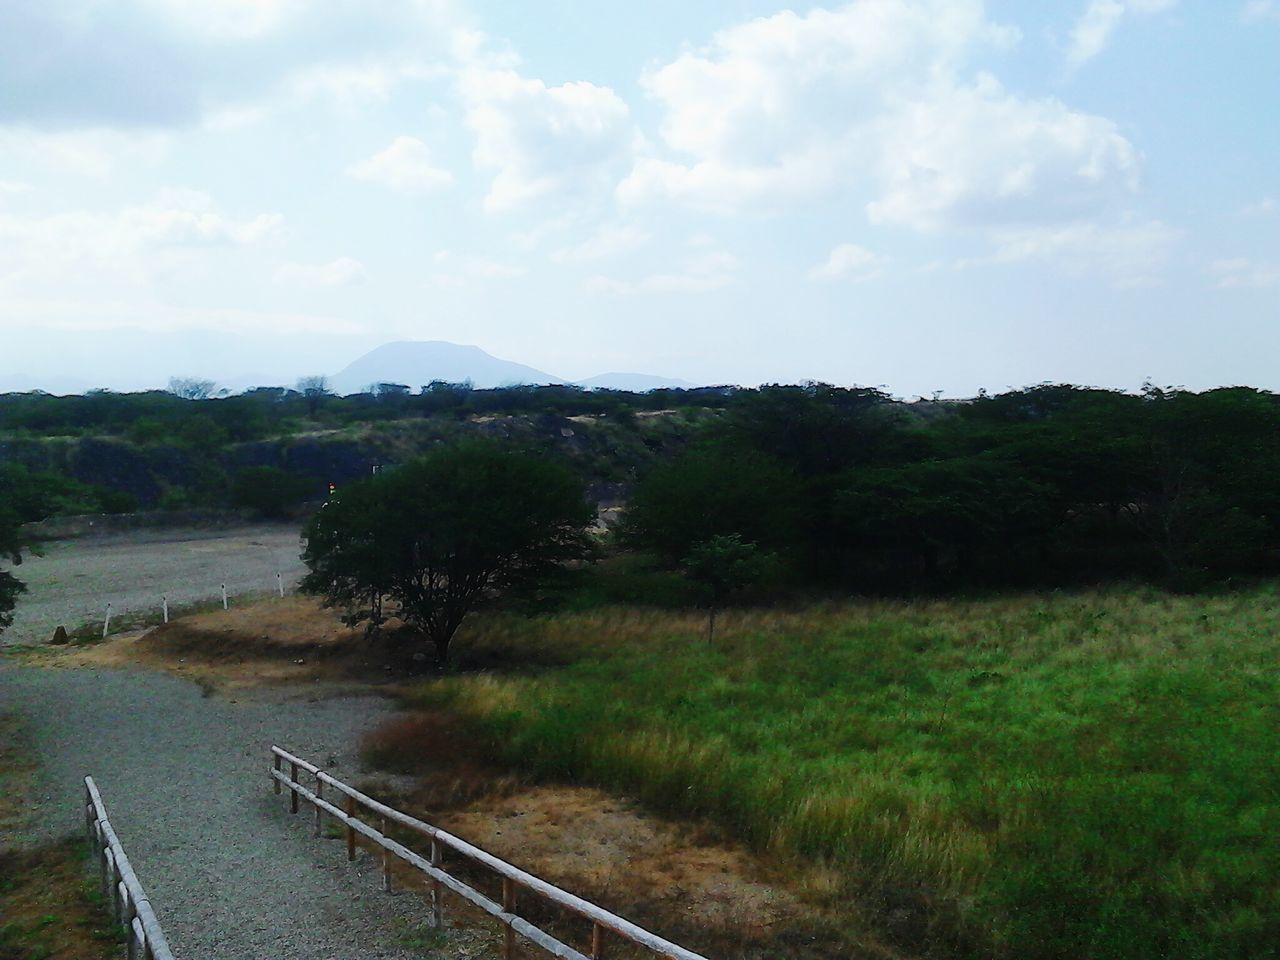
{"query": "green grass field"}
(1059, 775)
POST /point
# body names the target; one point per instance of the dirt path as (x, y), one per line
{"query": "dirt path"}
(72, 583)
(231, 873)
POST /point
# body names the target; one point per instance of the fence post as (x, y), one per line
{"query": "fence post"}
(320, 794)
(275, 765)
(164, 603)
(509, 905)
(386, 861)
(280, 584)
(293, 791)
(437, 888)
(597, 942)
(351, 831)
(224, 596)
(106, 621)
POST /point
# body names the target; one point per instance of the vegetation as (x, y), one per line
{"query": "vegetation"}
(1042, 775)
(1053, 485)
(437, 536)
(49, 908)
(11, 545)
(271, 493)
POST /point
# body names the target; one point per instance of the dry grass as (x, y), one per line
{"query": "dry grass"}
(271, 642)
(684, 880)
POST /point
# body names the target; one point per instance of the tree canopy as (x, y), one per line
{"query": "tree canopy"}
(431, 539)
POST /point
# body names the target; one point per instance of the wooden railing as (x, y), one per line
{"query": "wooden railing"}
(514, 881)
(120, 885)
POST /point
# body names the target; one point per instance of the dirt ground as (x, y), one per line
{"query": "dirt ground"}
(684, 881)
(74, 580)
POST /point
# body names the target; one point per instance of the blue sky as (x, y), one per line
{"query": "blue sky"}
(918, 194)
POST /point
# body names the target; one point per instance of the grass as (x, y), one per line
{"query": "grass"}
(1047, 776)
(89, 633)
(49, 910)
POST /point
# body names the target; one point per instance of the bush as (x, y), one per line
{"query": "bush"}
(270, 492)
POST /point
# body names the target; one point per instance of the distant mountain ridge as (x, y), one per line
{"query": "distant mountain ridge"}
(414, 363)
(418, 362)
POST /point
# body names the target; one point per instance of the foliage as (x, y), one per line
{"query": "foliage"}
(11, 546)
(727, 565)
(314, 390)
(714, 490)
(271, 492)
(437, 536)
(1039, 776)
(37, 495)
(192, 388)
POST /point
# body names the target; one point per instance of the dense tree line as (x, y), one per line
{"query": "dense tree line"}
(1053, 484)
(180, 416)
(1050, 484)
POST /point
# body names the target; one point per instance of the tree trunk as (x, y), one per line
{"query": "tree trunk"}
(711, 625)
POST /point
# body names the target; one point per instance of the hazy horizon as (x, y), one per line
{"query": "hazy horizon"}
(913, 194)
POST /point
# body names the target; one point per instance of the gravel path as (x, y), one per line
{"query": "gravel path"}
(232, 875)
(74, 580)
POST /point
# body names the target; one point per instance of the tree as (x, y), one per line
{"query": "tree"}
(727, 565)
(314, 389)
(435, 537)
(11, 545)
(715, 490)
(190, 388)
(270, 491)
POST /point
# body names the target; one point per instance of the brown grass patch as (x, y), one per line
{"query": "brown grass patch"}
(685, 881)
(273, 642)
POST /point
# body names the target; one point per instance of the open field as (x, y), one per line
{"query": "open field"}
(73, 581)
(1061, 775)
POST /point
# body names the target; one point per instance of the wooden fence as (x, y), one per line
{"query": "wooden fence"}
(514, 881)
(120, 885)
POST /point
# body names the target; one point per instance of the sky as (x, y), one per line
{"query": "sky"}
(920, 195)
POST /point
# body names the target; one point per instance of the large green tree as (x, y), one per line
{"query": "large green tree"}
(430, 540)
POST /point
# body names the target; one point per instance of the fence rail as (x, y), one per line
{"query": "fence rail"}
(514, 880)
(120, 885)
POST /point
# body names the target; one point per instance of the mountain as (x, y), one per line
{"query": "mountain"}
(634, 382)
(417, 363)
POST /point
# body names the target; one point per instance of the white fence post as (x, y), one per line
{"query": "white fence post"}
(224, 596)
(106, 622)
(164, 603)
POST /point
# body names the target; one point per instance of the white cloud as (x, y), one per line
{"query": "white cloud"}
(975, 155)
(849, 260)
(1263, 208)
(405, 165)
(237, 19)
(11, 187)
(1241, 272)
(1255, 10)
(1093, 31)
(702, 273)
(542, 141)
(608, 241)
(341, 272)
(85, 64)
(874, 98)
(127, 245)
(85, 153)
(1132, 253)
(98, 314)
(453, 269)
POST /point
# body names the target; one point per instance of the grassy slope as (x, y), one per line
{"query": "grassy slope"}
(1044, 776)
